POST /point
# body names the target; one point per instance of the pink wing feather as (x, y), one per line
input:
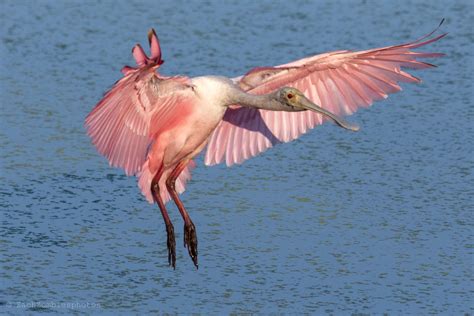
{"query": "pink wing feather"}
(124, 124)
(138, 107)
(131, 115)
(340, 81)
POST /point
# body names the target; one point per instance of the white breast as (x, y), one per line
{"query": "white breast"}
(214, 91)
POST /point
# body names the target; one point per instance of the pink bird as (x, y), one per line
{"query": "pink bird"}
(153, 126)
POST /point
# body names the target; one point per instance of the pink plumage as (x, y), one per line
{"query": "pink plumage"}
(132, 115)
(340, 81)
(152, 126)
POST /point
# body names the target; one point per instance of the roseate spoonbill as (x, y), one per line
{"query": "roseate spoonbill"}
(153, 126)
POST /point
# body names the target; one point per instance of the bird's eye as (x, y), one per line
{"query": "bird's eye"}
(289, 95)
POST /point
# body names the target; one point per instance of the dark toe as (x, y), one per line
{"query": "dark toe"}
(171, 243)
(190, 241)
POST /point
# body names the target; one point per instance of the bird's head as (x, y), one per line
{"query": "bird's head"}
(291, 97)
(296, 101)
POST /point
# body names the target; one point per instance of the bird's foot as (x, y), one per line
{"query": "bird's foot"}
(190, 241)
(171, 243)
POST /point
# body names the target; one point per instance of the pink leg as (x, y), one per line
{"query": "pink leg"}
(190, 237)
(171, 243)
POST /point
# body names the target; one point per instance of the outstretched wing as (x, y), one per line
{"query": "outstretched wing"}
(132, 114)
(137, 108)
(340, 81)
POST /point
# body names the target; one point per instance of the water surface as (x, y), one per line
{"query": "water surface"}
(376, 222)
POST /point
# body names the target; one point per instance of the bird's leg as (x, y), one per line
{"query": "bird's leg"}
(190, 237)
(171, 243)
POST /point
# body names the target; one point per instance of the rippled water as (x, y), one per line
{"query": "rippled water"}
(378, 221)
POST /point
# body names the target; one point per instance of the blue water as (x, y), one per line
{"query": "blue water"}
(379, 221)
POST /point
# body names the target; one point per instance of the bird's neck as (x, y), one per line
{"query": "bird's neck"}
(263, 101)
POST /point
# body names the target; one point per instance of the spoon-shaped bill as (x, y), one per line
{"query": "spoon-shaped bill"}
(308, 105)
